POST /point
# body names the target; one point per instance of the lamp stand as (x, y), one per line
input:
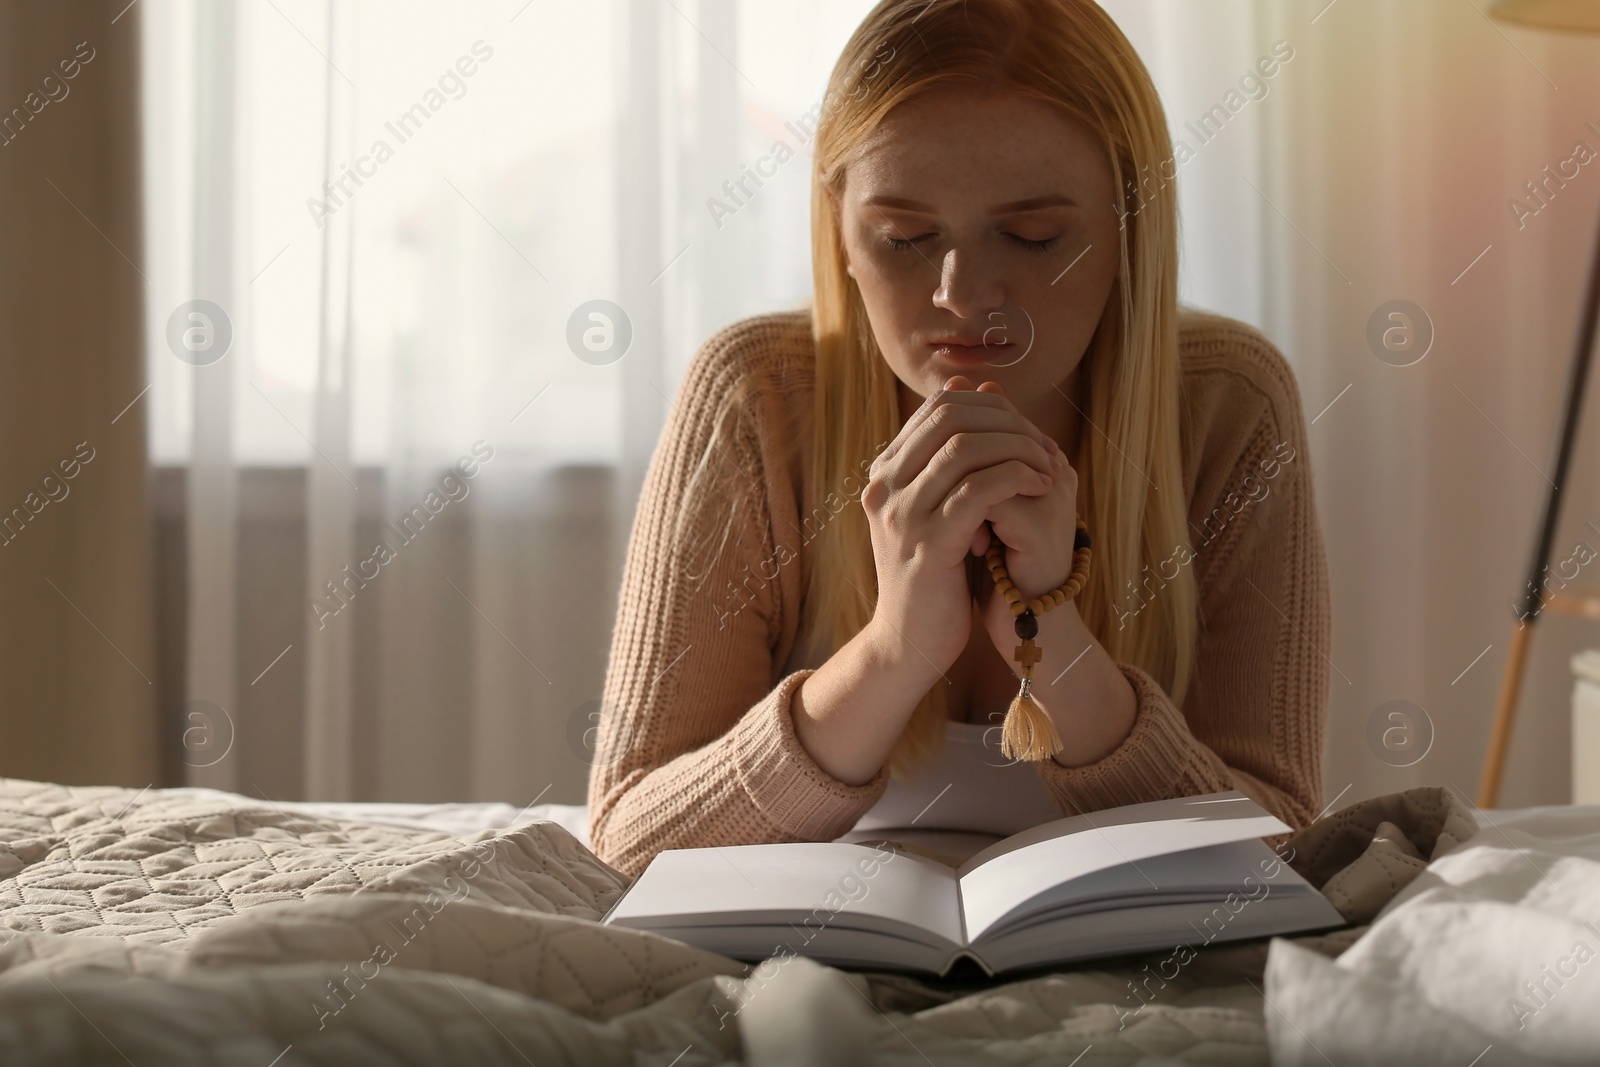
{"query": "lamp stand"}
(1533, 600)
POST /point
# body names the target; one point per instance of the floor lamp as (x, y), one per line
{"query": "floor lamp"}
(1563, 16)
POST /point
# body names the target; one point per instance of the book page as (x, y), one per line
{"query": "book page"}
(950, 847)
(1003, 879)
(809, 885)
(1199, 874)
(1178, 928)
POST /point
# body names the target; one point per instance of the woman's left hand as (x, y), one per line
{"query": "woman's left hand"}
(1093, 706)
(1037, 532)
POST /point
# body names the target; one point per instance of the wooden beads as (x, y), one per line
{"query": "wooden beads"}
(1081, 556)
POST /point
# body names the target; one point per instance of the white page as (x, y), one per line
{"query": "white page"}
(953, 847)
(1246, 869)
(1293, 908)
(1207, 873)
(829, 883)
(1002, 878)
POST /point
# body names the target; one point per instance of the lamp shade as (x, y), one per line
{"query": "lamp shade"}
(1563, 16)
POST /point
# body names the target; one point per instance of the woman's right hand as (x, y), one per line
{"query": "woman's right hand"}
(928, 494)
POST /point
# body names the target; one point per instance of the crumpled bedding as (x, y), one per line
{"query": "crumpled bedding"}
(1491, 955)
(153, 928)
(162, 927)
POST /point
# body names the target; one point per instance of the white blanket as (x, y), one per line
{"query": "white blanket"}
(1491, 956)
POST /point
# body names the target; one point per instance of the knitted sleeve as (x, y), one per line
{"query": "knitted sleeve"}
(1254, 713)
(696, 741)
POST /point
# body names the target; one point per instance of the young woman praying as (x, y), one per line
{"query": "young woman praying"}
(814, 637)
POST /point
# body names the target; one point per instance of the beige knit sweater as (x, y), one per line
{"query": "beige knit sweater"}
(697, 746)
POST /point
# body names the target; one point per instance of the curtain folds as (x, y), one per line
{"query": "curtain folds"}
(331, 490)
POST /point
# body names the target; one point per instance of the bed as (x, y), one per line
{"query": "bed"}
(191, 926)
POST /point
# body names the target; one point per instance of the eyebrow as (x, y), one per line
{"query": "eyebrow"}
(1032, 204)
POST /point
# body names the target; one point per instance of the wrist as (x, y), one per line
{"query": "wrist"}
(889, 650)
(850, 711)
(1031, 590)
(1061, 629)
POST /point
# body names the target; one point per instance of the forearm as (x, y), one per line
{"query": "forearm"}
(694, 801)
(754, 783)
(1081, 688)
(1123, 741)
(850, 712)
(1076, 681)
(1162, 757)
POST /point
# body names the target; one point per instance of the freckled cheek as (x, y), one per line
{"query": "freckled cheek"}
(888, 263)
(1064, 326)
(893, 282)
(1077, 296)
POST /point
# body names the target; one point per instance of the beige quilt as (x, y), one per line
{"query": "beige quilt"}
(158, 928)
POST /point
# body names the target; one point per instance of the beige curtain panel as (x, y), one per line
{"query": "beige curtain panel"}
(77, 669)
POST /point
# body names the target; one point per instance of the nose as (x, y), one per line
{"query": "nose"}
(968, 287)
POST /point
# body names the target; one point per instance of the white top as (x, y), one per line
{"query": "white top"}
(968, 787)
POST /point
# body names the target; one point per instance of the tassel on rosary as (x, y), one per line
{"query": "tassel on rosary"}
(1028, 733)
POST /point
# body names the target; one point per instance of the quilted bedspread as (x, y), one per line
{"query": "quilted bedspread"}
(160, 928)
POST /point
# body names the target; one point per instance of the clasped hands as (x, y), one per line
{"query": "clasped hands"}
(967, 466)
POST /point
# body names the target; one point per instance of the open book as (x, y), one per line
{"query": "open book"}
(1163, 875)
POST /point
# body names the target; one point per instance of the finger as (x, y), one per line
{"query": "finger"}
(1020, 522)
(954, 383)
(989, 394)
(947, 413)
(971, 500)
(963, 454)
(1020, 515)
(962, 416)
(892, 449)
(980, 539)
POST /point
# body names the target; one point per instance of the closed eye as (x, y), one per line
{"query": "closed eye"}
(1038, 246)
(901, 244)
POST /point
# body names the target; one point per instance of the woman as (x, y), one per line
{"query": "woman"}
(808, 643)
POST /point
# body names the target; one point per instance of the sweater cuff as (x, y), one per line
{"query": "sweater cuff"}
(785, 784)
(1158, 759)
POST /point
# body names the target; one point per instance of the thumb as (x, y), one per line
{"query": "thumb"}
(980, 540)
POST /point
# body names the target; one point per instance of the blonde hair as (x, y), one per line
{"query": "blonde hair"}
(1070, 54)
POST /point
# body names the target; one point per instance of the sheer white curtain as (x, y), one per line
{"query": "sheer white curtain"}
(402, 213)
(404, 210)
(1380, 164)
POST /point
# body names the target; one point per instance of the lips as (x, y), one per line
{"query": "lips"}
(970, 352)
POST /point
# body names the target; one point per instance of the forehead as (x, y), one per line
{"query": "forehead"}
(948, 145)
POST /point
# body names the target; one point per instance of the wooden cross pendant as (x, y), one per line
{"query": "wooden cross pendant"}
(1027, 653)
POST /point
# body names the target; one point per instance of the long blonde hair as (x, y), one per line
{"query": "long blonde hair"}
(1068, 53)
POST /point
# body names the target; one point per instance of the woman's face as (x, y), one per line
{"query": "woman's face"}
(989, 220)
